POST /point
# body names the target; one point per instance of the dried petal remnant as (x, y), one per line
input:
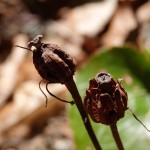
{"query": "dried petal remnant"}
(105, 100)
(51, 62)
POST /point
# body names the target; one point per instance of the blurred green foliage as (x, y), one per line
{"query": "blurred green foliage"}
(134, 68)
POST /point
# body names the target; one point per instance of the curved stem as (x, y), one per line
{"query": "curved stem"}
(71, 102)
(116, 136)
(43, 92)
(71, 86)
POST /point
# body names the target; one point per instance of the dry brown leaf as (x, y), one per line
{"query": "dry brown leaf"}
(143, 13)
(27, 99)
(121, 25)
(91, 18)
(9, 70)
(143, 17)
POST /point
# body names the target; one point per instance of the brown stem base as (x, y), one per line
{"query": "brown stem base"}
(71, 86)
(116, 136)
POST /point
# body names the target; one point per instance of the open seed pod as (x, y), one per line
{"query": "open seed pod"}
(105, 100)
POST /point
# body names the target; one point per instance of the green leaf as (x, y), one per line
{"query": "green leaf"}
(134, 68)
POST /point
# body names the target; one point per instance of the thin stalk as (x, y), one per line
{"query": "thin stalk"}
(71, 86)
(116, 136)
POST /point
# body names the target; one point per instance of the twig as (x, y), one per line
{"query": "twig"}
(116, 136)
(71, 86)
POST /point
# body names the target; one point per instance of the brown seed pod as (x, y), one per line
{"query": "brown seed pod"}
(51, 62)
(105, 100)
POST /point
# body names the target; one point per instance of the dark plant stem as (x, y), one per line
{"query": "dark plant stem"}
(116, 136)
(71, 86)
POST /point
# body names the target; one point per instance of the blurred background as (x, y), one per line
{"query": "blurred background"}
(102, 35)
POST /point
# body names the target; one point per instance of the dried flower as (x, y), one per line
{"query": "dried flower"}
(55, 66)
(105, 100)
(51, 62)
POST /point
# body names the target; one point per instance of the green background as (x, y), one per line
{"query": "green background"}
(134, 67)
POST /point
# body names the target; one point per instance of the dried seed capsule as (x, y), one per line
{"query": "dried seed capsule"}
(51, 62)
(105, 100)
